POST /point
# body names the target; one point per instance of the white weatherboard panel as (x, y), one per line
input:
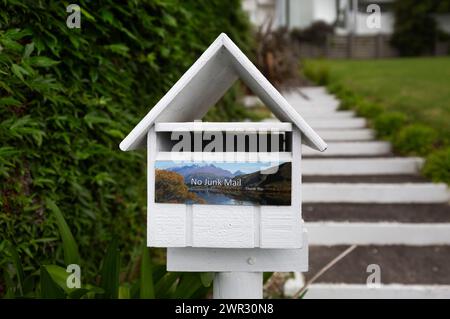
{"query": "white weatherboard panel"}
(274, 157)
(167, 225)
(223, 226)
(220, 126)
(390, 291)
(346, 233)
(203, 85)
(375, 193)
(236, 259)
(280, 227)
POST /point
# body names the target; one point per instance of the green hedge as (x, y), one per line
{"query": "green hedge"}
(69, 96)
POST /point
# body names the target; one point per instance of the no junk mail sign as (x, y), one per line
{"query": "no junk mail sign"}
(224, 197)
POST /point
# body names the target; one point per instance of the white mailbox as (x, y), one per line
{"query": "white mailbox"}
(223, 185)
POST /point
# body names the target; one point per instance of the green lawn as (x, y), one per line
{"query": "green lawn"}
(419, 87)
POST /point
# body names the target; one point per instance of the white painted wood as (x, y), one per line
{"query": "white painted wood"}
(385, 291)
(235, 259)
(351, 148)
(352, 123)
(347, 135)
(361, 166)
(346, 233)
(223, 226)
(223, 126)
(281, 227)
(226, 156)
(205, 82)
(238, 285)
(375, 193)
(166, 225)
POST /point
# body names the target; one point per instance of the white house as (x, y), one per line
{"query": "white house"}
(350, 16)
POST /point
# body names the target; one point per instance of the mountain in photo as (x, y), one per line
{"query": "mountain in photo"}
(281, 179)
(202, 172)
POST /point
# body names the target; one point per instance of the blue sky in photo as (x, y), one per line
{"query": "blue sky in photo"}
(245, 167)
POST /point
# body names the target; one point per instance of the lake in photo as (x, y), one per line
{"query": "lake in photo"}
(224, 183)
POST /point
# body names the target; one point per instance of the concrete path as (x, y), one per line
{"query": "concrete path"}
(359, 192)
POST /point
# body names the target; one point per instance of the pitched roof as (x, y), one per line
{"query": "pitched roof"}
(206, 82)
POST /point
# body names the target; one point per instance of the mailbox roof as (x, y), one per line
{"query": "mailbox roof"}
(206, 82)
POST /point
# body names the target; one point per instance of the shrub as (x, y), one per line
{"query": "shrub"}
(276, 57)
(335, 88)
(437, 166)
(318, 72)
(315, 34)
(68, 97)
(415, 139)
(349, 100)
(415, 28)
(368, 109)
(388, 123)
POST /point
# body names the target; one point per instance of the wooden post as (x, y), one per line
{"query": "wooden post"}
(238, 285)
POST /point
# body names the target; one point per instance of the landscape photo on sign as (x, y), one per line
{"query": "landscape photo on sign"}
(223, 183)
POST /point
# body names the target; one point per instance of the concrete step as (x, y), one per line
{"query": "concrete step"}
(390, 291)
(374, 193)
(318, 114)
(337, 135)
(367, 179)
(374, 213)
(345, 124)
(398, 264)
(382, 233)
(351, 149)
(361, 166)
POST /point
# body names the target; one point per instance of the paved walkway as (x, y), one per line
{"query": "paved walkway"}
(359, 192)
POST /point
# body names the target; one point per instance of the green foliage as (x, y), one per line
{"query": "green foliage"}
(69, 96)
(147, 290)
(349, 100)
(415, 139)
(368, 109)
(53, 279)
(317, 71)
(71, 255)
(415, 29)
(387, 124)
(437, 166)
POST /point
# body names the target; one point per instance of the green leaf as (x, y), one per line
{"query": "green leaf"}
(49, 288)
(120, 49)
(42, 62)
(206, 278)
(9, 101)
(124, 292)
(71, 255)
(189, 284)
(147, 290)
(28, 50)
(19, 269)
(18, 71)
(110, 271)
(59, 276)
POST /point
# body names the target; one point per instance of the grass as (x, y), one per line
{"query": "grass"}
(407, 102)
(418, 87)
